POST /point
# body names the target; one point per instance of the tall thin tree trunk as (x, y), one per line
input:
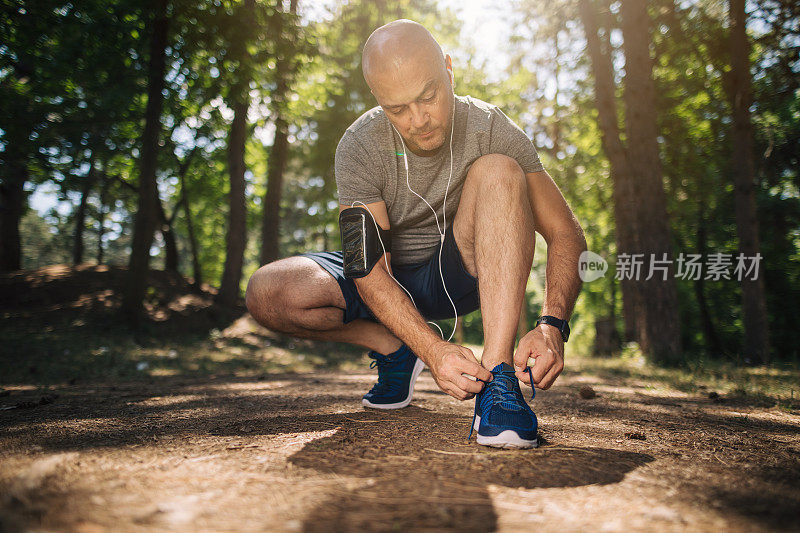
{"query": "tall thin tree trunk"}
(709, 331)
(12, 205)
(236, 238)
(170, 245)
(270, 227)
(754, 307)
(80, 214)
(278, 156)
(196, 269)
(147, 213)
(622, 191)
(101, 215)
(184, 202)
(658, 316)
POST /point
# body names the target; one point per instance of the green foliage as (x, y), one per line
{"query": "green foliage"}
(72, 92)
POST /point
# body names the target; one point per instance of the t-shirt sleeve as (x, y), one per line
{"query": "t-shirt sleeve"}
(356, 178)
(509, 139)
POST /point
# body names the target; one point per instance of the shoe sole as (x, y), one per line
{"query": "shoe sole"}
(507, 439)
(418, 367)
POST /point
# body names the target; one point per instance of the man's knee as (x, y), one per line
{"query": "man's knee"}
(266, 292)
(497, 171)
(278, 291)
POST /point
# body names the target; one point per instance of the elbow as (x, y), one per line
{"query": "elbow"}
(572, 238)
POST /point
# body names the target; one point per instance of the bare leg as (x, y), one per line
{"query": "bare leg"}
(494, 231)
(297, 297)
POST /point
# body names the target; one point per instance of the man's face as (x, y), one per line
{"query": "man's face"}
(418, 98)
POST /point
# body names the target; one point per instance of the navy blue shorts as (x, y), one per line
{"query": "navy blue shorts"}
(421, 280)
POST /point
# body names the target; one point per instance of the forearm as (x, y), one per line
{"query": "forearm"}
(562, 282)
(392, 306)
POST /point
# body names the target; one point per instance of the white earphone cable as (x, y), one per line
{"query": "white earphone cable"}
(438, 227)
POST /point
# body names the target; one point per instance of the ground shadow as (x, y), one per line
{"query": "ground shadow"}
(414, 468)
(420, 473)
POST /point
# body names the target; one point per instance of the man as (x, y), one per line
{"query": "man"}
(395, 160)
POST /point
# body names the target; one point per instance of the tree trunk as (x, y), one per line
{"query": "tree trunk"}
(147, 213)
(12, 205)
(754, 308)
(236, 238)
(658, 316)
(278, 155)
(270, 227)
(196, 269)
(170, 246)
(101, 215)
(622, 192)
(713, 343)
(184, 201)
(80, 215)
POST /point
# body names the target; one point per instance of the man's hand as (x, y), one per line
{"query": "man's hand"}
(545, 344)
(448, 361)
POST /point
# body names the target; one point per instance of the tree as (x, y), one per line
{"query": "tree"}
(622, 179)
(239, 102)
(658, 317)
(754, 308)
(286, 64)
(641, 218)
(147, 214)
(31, 83)
(80, 214)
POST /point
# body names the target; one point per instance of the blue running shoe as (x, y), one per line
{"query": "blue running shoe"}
(397, 373)
(503, 418)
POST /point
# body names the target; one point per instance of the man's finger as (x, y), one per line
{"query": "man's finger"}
(550, 378)
(471, 353)
(542, 367)
(467, 385)
(522, 354)
(474, 369)
(522, 375)
(452, 391)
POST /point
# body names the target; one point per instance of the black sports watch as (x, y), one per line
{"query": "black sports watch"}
(562, 325)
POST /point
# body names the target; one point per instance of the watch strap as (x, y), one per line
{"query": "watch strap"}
(562, 325)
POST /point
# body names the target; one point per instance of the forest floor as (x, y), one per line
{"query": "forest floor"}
(207, 422)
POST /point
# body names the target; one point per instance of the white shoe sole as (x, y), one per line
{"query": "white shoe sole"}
(508, 439)
(418, 367)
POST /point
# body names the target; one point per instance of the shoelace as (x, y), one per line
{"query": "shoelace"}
(502, 391)
(387, 379)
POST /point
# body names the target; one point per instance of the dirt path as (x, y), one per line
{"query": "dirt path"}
(297, 452)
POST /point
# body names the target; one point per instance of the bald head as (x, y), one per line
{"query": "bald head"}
(413, 82)
(397, 47)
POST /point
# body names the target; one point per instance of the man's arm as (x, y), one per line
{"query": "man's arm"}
(392, 306)
(554, 220)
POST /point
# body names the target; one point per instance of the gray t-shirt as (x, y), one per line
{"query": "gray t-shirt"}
(369, 168)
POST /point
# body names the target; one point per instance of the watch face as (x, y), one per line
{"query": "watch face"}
(353, 228)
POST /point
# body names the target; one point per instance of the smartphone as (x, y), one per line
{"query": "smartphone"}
(353, 227)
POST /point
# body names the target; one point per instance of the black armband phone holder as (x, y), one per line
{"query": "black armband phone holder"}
(361, 246)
